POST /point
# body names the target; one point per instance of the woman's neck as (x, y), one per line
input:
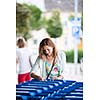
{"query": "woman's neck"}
(49, 59)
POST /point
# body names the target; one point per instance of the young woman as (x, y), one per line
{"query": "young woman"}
(50, 62)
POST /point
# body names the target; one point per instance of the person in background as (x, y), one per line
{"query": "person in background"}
(23, 60)
(50, 62)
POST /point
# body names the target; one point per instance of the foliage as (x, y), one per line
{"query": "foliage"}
(27, 18)
(70, 55)
(54, 27)
(22, 20)
(35, 17)
(71, 17)
(80, 55)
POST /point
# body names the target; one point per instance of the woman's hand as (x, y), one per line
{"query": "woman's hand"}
(57, 78)
(40, 78)
(54, 77)
(36, 77)
(60, 77)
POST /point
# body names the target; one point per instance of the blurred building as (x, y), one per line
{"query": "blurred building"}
(63, 5)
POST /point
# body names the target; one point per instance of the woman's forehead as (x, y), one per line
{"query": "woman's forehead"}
(47, 47)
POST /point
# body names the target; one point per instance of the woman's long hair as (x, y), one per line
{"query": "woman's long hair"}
(47, 42)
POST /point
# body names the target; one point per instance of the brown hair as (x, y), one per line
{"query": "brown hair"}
(20, 43)
(47, 42)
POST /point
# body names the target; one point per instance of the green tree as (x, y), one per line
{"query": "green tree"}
(22, 21)
(28, 17)
(54, 27)
(70, 55)
(35, 18)
(71, 17)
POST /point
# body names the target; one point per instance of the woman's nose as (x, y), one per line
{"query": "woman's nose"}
(47, 51)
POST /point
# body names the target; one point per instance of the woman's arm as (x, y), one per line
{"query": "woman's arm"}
(33, 75)
(60, 77)
(57, 78)
(62, 64)
(35, 68)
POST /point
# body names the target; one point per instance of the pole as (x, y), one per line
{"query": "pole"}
(75, 47)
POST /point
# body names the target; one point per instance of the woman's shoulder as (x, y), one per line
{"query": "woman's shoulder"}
(38, 59)
(61, 53)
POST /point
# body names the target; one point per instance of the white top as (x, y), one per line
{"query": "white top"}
(40, 65)
(23, 55)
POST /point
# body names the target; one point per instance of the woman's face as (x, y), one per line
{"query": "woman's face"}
(47, 50)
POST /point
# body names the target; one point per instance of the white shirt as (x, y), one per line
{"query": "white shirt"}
(23, 55)
(39, 65)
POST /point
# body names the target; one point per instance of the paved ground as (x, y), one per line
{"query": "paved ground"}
(73, 72)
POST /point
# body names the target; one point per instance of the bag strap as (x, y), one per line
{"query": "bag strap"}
(50, 69)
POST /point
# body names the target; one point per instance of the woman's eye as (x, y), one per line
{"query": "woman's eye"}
(44, 51)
